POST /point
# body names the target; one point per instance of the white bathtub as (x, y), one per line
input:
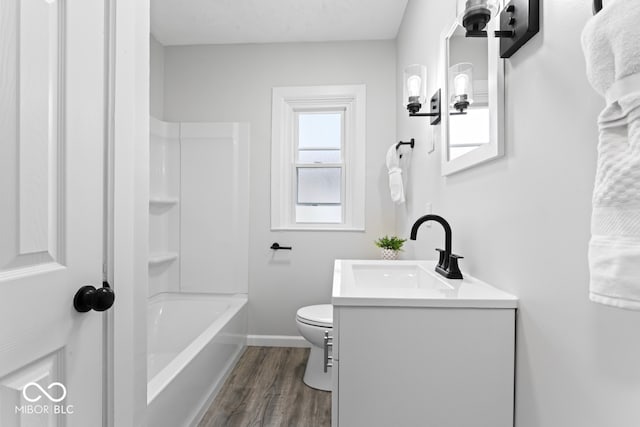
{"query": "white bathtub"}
(194, 340)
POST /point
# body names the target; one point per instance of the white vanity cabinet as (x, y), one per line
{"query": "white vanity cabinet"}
(425, 357)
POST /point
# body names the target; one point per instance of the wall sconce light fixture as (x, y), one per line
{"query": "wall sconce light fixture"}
(474, 15)
(519, 21)
(461, 86)
(597, 6)
(415, 91)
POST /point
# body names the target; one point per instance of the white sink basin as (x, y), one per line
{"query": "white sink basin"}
(394, 276)
(410, 284)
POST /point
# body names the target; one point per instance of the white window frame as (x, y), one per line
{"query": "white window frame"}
(287, 102)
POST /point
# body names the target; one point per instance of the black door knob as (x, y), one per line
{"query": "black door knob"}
(89, 298)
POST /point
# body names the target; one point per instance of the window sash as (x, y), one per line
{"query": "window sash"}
(316, 153)
(343, 189)
(296, 134)
(298, 164)
(320, 166)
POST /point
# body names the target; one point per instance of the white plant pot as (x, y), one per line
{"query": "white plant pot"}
(389, 254)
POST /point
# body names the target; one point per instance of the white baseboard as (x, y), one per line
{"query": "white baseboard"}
(277, 341)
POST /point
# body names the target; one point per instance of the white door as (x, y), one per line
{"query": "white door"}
(52, 109)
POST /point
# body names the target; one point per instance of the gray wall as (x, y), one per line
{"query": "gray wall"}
(156, 79)
(522, 222)
(233, 83)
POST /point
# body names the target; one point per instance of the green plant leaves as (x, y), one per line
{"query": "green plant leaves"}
(394, 242)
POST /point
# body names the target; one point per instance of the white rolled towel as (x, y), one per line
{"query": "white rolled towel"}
(396, 185)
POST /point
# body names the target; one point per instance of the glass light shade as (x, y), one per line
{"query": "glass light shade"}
(475, 14)
(415, 84)
(461, 85)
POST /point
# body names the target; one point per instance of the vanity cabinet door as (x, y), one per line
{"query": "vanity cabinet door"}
(335, 370)
(444, 367)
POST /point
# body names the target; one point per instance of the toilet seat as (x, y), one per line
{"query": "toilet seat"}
(316, 315)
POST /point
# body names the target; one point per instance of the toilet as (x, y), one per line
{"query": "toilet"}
(312, 322)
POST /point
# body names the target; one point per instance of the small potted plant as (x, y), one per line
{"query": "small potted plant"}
(390, 246)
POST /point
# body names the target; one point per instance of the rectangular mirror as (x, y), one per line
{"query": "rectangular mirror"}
(473, 95)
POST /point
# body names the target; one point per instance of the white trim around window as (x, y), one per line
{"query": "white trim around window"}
(288, 102)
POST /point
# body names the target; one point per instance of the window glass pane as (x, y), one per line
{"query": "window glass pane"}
(324, 214)
(319, 156)
(471, 128)
(319, 185)
(319, 130)
(455, 152)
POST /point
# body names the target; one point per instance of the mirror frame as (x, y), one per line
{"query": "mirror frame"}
(495, 148)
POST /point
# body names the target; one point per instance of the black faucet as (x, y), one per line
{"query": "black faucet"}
(447, 262)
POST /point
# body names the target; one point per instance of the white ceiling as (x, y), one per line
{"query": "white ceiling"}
(185, 22)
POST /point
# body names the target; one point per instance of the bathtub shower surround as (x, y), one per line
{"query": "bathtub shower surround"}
(214, 189)
(164, 207)
(198, 265)
(194, 340)
(199, 207)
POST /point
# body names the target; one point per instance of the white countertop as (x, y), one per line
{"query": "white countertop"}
(410, 284)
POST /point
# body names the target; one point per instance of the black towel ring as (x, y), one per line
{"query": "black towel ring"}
(410, 143)
(597, 6)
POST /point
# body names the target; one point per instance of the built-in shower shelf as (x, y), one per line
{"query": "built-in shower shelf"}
(162, 202)
(158, 258)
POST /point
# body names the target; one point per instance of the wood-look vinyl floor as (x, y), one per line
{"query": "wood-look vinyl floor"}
(265, 389)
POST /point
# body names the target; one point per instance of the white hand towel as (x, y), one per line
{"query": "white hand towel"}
(395, 175)
(611, 42)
